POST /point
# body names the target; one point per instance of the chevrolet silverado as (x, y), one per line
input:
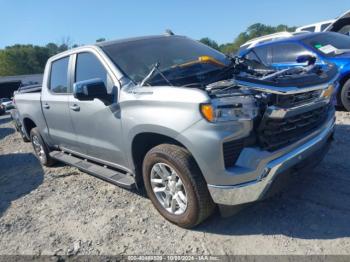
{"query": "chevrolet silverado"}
(196, 128)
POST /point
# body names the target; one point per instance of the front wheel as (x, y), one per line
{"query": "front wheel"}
(41, 150)
(176, 186)
(345, 95)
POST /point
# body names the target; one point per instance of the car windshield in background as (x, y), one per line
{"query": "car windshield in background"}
(330, 44)
(181, 60)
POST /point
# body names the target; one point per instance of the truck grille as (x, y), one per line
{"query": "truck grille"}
(232, 151)
(274, 133)
(286, 101)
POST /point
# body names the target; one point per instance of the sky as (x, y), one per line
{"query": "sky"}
(82, 22)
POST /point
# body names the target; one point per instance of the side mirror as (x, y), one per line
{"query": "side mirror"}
(311, 60)
(88, 90)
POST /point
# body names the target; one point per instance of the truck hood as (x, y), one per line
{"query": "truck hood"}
(294, 80)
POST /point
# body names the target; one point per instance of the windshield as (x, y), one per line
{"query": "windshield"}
(181, 60)
(328, 43)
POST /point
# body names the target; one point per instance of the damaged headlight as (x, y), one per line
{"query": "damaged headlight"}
(240, 107)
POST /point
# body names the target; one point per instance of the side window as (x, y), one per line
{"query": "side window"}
(324, 26)
(310, 29)
(89, 67)
(59, 76)
(263, 54)
(252, 56)
(345, 30)
(287, 53)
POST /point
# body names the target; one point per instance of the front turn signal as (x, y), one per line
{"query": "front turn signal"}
(328, 92)
(207, 111)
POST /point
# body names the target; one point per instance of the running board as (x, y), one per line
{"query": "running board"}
(99, 171)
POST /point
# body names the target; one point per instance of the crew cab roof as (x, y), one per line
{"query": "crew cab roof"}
(132, 39)
(111, 42)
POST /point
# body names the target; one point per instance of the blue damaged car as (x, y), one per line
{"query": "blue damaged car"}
(327, 47)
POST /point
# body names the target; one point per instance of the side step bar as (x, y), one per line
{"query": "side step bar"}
(100, 171)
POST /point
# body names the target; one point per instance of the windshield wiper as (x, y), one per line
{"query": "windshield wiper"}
(155, 69)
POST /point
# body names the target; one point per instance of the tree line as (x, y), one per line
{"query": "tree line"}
(253, 31)
(31, 59)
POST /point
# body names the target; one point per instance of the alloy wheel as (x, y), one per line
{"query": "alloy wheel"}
(39, 149)
(168, 188)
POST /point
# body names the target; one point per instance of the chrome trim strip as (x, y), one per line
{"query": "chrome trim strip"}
(278, 112)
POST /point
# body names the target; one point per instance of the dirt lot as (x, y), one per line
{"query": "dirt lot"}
(64, 211)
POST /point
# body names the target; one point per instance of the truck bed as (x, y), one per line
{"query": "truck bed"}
(28, 103)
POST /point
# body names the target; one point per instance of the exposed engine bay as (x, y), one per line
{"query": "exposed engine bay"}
(284, 105)
(302, 76)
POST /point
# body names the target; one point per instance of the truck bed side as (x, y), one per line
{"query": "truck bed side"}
(30, 110)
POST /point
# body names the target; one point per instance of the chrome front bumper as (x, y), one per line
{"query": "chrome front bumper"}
(256, 190)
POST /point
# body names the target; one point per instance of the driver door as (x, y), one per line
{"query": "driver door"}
(97, 125)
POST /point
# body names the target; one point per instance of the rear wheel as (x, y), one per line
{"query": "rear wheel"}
(345, 95)
(176, 186)
(41, 150)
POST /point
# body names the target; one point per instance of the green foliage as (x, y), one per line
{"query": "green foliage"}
(209, 42)
(27, 59)
(253, 31)
(257, 30)
(30, 59)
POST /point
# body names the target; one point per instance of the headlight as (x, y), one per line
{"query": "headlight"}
(230, 109)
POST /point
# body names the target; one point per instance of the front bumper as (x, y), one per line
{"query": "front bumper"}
(257, 189)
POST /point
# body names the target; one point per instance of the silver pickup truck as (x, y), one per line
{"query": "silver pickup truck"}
(195, 128)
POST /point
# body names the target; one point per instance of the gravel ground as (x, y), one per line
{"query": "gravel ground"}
(61, 210)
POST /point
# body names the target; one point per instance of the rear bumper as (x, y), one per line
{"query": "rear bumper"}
(312, 150)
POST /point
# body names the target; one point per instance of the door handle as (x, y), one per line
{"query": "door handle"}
(46, 105)
(75, 107)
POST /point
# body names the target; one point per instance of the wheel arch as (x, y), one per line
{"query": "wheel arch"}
(145, 141)
(343, 79)
(28, 125)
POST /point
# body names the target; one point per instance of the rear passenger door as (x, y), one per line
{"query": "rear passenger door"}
(55, 104)
(97, 125)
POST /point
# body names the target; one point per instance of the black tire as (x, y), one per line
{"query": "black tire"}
(41, 150)
(15, 124)
(345, 95)
(199, 202)
(23, 135)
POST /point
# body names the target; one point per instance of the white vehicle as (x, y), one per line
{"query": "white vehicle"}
(340, 25)
(253, 42)
(316, 27)
(7, 103)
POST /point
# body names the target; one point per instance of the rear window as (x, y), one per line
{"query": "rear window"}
(59, 76)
